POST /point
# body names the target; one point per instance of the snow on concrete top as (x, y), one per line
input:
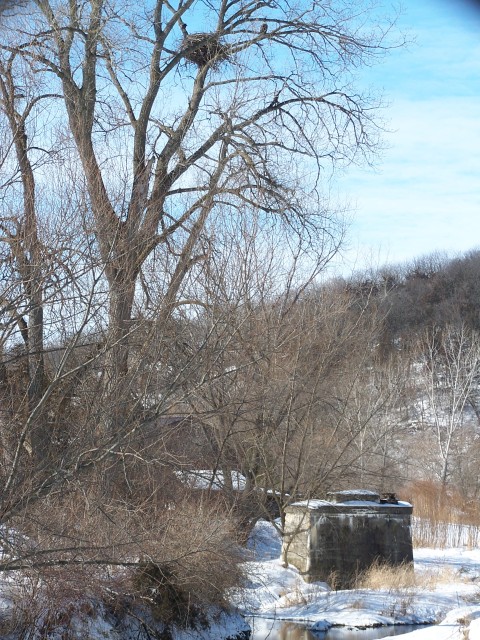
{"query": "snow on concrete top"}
(318, 504)
(353, 498)
(354, 495)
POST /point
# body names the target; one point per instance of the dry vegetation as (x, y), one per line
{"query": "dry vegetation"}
(80, 557)
(397, 579)
(443, 517)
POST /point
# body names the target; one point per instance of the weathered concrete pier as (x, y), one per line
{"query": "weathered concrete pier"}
(346, 534)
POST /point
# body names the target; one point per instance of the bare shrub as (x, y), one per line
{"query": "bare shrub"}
(159, 586)
(333, 580)
(168, 559)
(55, 602)
(190, 560)
(296, 596)
(200, 540)
(192, 543)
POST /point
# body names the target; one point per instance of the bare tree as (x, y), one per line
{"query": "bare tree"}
(25, 250)
(247, 103)
(449, 372)
(285, 388)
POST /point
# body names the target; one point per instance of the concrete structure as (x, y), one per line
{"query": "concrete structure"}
(346, 535)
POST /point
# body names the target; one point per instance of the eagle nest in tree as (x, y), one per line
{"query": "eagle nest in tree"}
(204, 48)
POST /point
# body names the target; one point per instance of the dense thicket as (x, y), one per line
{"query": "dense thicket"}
(163, 218)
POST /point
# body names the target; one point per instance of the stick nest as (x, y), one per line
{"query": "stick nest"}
(205, 48)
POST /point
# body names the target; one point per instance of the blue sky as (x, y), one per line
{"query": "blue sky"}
(424, 193)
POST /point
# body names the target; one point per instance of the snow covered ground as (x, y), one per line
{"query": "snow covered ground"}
(450, 595)
(447, 595)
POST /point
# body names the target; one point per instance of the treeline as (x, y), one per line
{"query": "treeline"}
(430, 310)
(434, 290)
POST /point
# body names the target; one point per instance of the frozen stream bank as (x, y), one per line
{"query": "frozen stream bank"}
(447, 595)
(281, 630)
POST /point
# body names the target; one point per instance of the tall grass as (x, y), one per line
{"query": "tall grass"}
(442, 516)
(402, 578)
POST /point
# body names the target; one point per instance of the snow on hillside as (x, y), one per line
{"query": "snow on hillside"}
(451, 597)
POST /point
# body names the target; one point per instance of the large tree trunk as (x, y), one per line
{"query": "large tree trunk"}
(118, 393)
(40, 438)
